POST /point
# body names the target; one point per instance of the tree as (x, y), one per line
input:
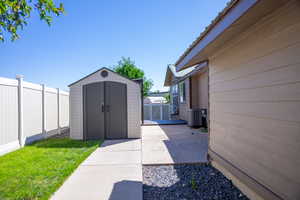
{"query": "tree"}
(15, 13)
(168, 97)
(127, 67)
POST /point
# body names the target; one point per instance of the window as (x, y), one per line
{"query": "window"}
(174, 89)
(174, 100)
(182, 95)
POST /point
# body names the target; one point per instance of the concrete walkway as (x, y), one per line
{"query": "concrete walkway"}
(113, 172)
(173, 144)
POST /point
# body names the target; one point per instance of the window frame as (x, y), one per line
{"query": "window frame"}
(182, 92)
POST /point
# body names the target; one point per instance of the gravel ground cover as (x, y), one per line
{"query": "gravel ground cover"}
(188, 182)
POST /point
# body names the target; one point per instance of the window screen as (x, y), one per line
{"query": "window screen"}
(182, 92)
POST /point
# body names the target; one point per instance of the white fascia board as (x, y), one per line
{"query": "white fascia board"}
(234, 14)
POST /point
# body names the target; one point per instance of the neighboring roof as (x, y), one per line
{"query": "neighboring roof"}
(157, 94)
(199, 68)
(173, 77)
(154, 100)
(182, 72)
(235, 18)
(171, 73)
(133, 80)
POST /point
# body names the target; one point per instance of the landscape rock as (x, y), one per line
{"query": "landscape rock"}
(188, 182)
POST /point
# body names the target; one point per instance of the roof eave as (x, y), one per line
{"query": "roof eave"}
(233, 21)
(168, 78)
(226, 18)
(199, 69)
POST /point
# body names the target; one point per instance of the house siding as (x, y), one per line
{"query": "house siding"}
(133, 104)
(195, 91)
(199, 93)
(254, 99)
(184, 107)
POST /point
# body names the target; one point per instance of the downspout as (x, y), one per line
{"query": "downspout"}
(142, 100)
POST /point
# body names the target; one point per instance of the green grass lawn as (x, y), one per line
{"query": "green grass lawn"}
(38, 170)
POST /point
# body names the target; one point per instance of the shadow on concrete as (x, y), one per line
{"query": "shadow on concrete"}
(131, 190)
(174, 132)
(114, 142)
(186, 145)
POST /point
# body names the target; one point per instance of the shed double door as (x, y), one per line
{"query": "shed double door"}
(105, 110)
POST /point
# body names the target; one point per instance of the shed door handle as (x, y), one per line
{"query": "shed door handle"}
(102, 107)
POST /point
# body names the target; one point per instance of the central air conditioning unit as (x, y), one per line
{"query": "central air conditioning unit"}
(197, 117)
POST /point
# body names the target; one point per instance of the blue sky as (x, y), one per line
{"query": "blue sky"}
(93, 34)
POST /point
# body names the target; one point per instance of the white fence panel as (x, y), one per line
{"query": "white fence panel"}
(29, 112)
(166, 112)
(157, 112)
(32, 112)
(51, 113)
(8, 114)
(64, 110)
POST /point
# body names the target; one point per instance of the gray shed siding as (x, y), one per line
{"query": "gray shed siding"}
(133, 107)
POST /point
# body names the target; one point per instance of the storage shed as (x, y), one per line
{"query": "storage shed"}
(105, 105)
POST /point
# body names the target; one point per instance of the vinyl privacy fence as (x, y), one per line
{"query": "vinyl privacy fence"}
(156, 111)
(30, 112)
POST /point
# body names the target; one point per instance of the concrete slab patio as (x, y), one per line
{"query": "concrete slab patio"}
(173, 144)
(111, 172)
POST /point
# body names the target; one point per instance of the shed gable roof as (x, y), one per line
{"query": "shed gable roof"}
(104, 68)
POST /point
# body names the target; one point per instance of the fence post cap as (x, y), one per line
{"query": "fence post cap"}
(19, 76)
